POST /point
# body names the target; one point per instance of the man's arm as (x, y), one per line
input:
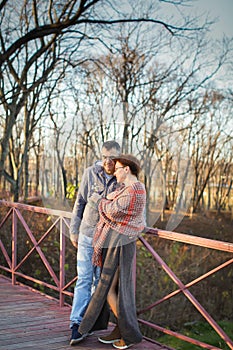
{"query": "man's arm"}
(76, 219)
(78, 210)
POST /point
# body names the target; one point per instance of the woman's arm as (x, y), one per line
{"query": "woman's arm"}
(120, 207)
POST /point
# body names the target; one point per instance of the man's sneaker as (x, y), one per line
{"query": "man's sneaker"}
(120, 344)
(112, 337)
(76, 337)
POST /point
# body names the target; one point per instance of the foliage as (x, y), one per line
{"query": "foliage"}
(202, 332)
(71, 191)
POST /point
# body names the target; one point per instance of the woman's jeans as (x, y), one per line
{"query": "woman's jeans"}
(88, 277)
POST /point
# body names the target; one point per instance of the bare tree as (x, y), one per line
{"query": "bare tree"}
(34, 38)
(58, 19)
(222, 183)
(42, 43)
(209, 143)
(62, 133)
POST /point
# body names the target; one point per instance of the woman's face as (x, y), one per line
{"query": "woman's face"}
(120, 172)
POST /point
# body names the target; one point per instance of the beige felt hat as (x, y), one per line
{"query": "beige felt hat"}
(130, 160)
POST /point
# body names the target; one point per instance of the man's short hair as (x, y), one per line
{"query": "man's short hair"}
(112, 144)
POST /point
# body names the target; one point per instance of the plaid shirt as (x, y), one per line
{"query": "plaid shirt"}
(124, 213)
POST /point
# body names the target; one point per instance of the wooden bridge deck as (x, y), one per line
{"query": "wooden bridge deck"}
(30, 320)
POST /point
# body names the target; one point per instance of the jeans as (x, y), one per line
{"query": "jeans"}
(88, 277)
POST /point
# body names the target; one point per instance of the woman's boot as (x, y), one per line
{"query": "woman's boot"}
(112, 337)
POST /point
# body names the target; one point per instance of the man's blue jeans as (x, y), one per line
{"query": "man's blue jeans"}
(88, 277)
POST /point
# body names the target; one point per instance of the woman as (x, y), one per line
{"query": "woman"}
(121, 221)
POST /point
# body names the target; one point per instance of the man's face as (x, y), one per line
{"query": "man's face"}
(108, 163)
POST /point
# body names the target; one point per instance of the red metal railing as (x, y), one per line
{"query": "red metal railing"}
(61, 222)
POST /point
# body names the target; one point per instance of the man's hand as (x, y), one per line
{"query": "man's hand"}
(74, 240)
(94, 200)
(95, 197)
(75, 243)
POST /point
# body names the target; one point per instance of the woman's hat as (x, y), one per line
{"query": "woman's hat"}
(130, 160)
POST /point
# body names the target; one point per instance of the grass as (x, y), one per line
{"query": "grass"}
(200, 331)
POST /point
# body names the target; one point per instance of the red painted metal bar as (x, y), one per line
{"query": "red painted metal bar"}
(188, 285)
(6, 216)
(178, 335)
(38, 249)
(62, 262)
(38, 242)
(63, 219)
(6, 256)
(70, 283)
(35, 280)
(14, 246)
(32, 208)
(187, 293)
(194, 240)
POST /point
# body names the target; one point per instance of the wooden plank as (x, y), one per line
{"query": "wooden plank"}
(30, 320)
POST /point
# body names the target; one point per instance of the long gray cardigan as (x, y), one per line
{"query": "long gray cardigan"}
(121, 253)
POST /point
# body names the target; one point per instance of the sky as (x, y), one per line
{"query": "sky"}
(223, 9)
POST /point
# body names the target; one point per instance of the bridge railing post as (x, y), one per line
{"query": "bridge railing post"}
(14, 247)
(62, 262)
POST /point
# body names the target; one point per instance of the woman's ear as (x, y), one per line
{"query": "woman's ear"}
(127, 169)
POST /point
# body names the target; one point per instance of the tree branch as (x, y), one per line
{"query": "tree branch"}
(57, 28)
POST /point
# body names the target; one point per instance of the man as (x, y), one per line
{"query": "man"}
(97, 178)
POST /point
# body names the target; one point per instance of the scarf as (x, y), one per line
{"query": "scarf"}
(124, 213)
